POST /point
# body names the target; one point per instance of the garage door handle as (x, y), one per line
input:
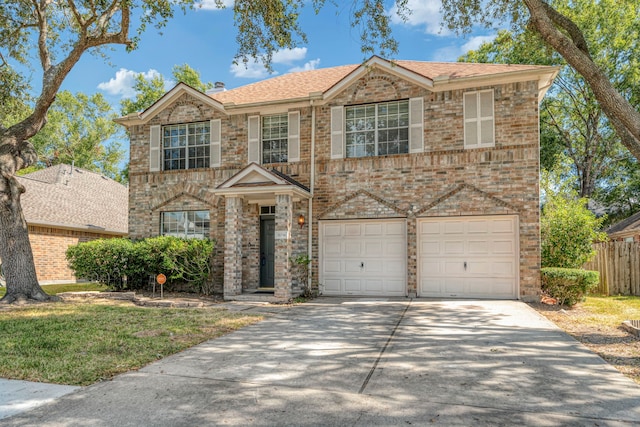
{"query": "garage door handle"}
(362, 265)
(465, 265)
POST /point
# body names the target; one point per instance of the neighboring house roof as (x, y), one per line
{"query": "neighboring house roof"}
(74, 198)
(628, 226)
(321, 85)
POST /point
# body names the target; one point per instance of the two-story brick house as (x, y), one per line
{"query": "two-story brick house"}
(397, 179)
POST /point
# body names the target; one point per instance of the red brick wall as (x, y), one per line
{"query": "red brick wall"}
(49, 246)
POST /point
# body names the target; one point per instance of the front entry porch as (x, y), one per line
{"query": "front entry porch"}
(260, 236)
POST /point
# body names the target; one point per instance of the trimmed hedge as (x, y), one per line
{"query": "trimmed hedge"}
(568, 285)
(124, 264)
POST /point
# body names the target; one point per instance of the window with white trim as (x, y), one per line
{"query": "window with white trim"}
(377, 129)
(186, 146)
(187, 224)
(275, 138)
(479, 119)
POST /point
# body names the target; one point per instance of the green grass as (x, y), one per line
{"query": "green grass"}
(69, 287)
(610, 311)
(79, 343)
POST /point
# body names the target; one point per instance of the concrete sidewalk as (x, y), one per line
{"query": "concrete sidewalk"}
(363, 362)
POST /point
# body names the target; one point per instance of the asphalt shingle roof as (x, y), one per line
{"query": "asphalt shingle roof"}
(301, 84)
(78, 198)
(628, 224)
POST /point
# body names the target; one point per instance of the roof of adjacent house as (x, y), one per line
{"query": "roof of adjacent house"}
(75, 198)
(301, 84)
(629, 224)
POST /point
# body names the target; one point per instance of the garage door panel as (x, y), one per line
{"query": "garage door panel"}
(333, 266)
(352, 285)
(373, 248)
(352, 230)
(488, 246)
(373, 229)
(352, 249)
(332, 285)
(454, 227)
(332, 230)
(367, 257)
(453, 247)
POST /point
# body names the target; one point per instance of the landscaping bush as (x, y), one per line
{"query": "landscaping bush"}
(104, 261)
(568, 285)
(123, 264)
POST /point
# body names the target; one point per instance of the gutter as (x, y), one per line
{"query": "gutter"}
(311, 189)
(89, 228)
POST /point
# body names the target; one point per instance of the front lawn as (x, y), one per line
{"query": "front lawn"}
(596, 323)
(79, 343)
(69, 287)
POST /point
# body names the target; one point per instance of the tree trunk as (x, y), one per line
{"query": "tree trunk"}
(16, 255)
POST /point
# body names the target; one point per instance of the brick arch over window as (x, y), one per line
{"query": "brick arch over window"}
(185, 103)
(385, 86)
(184, 189)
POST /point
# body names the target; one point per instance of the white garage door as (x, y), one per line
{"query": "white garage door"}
(363, 257)
(468, 257)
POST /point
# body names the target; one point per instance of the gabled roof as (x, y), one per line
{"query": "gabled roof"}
(73, 198)
(169, 97)
(628, 225)
(321, 84)
(258, 184)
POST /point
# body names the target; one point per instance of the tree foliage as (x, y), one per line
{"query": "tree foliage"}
(80, 130)
(559, 31)
(149, 91)
(568, 228)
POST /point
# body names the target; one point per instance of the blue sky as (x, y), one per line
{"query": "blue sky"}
(205, 39)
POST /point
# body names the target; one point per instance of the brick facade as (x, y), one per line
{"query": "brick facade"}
(49, 245)
(444, 180)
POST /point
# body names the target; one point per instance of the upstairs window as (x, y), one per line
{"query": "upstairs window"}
(377, 129)
(186, 224)
(186, 146)
(275, 138)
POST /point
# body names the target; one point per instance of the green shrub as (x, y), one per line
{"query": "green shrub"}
(568, 285)
(104, 261)
(110, 261)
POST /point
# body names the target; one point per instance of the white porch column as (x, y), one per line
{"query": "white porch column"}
(233, 247)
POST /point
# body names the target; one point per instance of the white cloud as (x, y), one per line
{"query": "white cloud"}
(475, 42)
(122, 83)
(311, 65)
(211, 4)
(423, 13)
(289, 56)
(452, 52)
(250, 70)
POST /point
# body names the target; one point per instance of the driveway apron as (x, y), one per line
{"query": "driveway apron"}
(362, 362)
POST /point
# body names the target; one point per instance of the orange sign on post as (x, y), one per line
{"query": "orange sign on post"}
(161, 279)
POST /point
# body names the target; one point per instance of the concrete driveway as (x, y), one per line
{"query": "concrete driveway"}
(362, 362)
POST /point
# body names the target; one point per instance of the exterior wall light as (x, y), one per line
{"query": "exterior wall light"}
(301, 220)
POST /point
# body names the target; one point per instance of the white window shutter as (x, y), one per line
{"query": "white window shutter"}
(479, 127)
(254, 139)
(215, 142)
(293, 144)
(154, 149)
(487, 126)
(337, 133)
(416, 125)
(470, 107)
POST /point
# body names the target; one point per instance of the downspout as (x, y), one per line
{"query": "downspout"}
(311, 187)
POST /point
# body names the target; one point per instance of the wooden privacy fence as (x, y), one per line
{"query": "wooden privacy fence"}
(619, 267)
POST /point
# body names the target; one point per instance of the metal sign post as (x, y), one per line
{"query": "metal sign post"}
(161, 279)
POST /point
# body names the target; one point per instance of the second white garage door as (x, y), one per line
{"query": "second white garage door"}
(468, 257)
(366, 258)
